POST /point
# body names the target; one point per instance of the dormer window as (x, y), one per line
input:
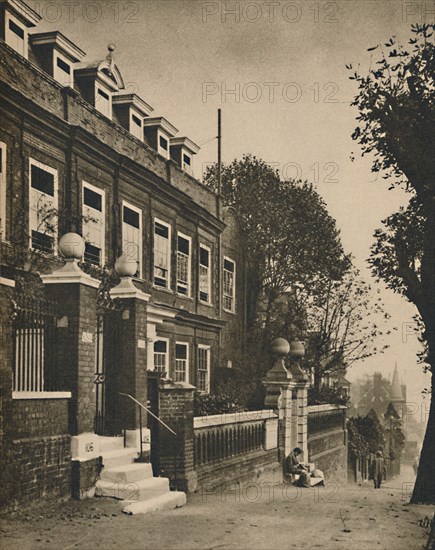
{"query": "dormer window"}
(103, 101)
(16, 38)
(158, 132)
(182, 151)
(136, 126)
(129, 110)
(57, 55)
(63, 72)
(17, 17)
(16, 35)
(163, 146)
(186, 163)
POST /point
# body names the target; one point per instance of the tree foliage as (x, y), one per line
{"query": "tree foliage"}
(365, 435)
(396, 121)
(345, 322)
(289, 236)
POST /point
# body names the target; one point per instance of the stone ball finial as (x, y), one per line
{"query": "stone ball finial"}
(280, 346)
(111, 47)
(125, 266)
(297, 349)
(72, 246)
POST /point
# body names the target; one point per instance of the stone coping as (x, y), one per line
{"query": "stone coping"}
(41, 395)
(312, 409)
(233, 418)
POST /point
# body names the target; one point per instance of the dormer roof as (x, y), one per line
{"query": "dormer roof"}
(134, 101)
(24, 12)
(60, 41)
(186, 143)
(160, 122)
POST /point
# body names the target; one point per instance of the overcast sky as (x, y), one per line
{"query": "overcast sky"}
(290, 103)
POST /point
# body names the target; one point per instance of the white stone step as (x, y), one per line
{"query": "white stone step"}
(167, 501)
(110, 443)
(134, 491)
(127, 473)
(118, 457)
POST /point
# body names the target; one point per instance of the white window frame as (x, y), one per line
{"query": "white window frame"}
(101, 216)
(187, 362)
(3, 190)
(168, 254)
(125, 243)
(100, 101)
(225, 295)
(11, 39)
(160, 150)
(208, 249)
(164, 354)
(36, 195)
(59, 74)
(208, 355)
(189, 265)
(135, 130)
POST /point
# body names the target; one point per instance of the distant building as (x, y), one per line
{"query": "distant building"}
(377, 393)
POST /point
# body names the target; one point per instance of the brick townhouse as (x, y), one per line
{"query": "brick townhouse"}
(79, 154)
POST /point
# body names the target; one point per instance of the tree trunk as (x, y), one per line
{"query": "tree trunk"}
(424, 488)
(317, 383)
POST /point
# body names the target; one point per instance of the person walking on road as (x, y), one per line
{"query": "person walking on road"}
(379, 470)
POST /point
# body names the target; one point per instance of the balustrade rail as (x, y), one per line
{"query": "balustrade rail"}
(325, 418)
(226, 436)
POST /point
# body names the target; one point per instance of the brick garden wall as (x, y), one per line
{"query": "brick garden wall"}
(40, 451)
(327, 447)
(240, 469)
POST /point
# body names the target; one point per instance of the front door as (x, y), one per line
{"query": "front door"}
(107, 366)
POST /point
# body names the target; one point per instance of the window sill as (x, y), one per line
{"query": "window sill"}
(163, 289)
(179, 295)
(207, 304)
(229, 311)
(41, 395)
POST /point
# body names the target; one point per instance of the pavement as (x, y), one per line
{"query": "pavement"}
(263, 515)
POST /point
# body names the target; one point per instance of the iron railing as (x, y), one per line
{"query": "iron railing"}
(34, 344)
(142, 406)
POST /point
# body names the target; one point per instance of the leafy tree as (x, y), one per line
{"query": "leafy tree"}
(393, 432)
(365, 436)
(290, 239)
(396, 121)
(344, 323)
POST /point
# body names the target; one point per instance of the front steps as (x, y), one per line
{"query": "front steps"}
(133, 482)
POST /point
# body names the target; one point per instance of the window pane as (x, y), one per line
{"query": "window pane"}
(186, 159)
(42, 180)
(161, 230)
(42, 241)
(229, 265)
(131, 217)
(181, 351)
(203, 256)
(16, 29)
(92, 254)
(163, 143)
(92, 199)
(103, 94)
(136, 120)
(64, 66)
(183, 245)
(160, 346)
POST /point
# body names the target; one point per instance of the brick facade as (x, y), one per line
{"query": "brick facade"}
(56, 126)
